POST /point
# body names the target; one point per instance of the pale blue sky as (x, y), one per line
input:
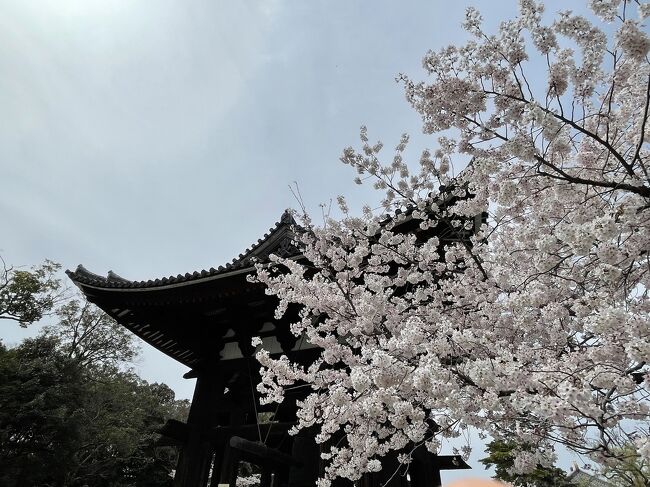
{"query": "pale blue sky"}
(159, 137)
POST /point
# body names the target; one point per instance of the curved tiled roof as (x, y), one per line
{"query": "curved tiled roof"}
(585, 479)
(278, 240)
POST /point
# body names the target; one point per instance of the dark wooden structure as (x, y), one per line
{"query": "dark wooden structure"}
(206, 321)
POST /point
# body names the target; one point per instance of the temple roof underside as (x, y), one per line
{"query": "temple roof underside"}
(188, 316)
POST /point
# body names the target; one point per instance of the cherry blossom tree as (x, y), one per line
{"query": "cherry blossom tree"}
(511, 296)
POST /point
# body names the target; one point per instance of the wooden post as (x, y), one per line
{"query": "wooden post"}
(425, 467)
(392, 474)
(307, 452)
(195, 459)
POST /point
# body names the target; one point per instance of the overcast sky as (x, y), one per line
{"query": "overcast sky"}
(159, 137)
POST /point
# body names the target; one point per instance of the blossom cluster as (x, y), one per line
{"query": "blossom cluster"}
(510, 297)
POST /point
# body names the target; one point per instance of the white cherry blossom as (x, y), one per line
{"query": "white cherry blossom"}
(533, 321)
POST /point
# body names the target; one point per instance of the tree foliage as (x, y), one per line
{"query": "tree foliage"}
(39, 393)
(533, 323)
(26, 295)
(501, 455)
(91, 337)
(72, 414)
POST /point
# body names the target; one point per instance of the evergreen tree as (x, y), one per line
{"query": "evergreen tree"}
(501, 455)
(73, 414)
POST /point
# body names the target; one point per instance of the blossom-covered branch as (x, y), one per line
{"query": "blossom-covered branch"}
(531, 322)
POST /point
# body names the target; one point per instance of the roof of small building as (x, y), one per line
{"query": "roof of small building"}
(586, 479)
(278, 240)
(187, 316)
(184, 316)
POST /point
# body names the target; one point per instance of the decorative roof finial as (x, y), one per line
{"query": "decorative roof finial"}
(287, 217)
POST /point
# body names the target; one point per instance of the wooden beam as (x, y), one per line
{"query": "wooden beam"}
(260, 454)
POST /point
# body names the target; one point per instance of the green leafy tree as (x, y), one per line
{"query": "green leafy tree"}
(121, 416)
(501, 455)
(72, 413)
(91, 337)
(40, 391)
(27, 295)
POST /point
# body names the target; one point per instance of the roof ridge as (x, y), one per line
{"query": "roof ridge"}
(83, 276)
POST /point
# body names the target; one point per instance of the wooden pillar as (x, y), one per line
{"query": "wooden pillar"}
(226, 456)
(392, 474)
(423, 470)
(426, 466)
(195, 459)
(306, 451)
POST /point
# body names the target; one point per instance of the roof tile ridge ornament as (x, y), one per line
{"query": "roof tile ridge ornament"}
(81, 273)
(287, 217)
(245, 258)
(113, 277)
(276, 235)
